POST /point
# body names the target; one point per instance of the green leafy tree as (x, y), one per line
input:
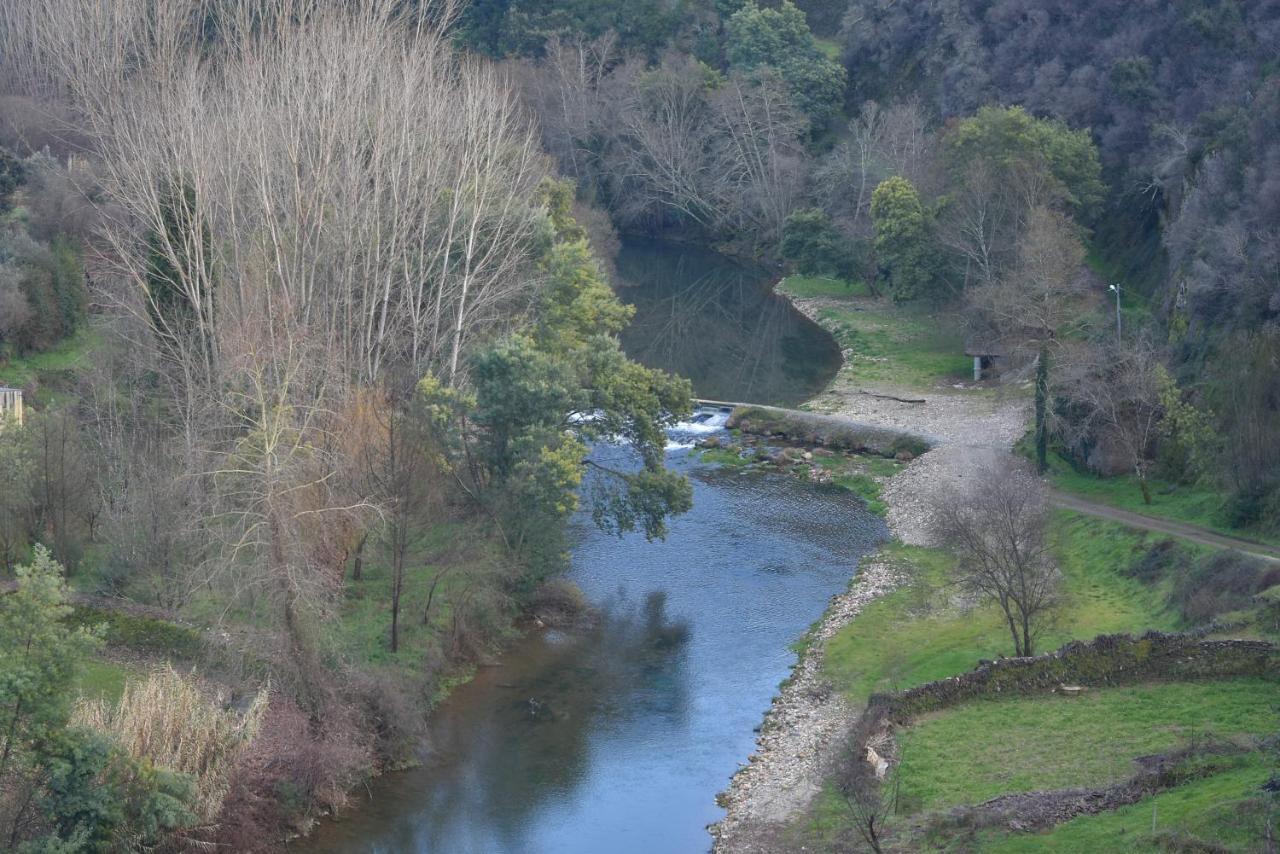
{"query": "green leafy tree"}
(100, 800)
(904, 247)
(816, 247)
(544, 396)
(1017, 146)
(17, 498)
(39, 659)
(779, 38)
(1188, 433)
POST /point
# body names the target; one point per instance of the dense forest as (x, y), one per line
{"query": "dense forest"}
(310, 304)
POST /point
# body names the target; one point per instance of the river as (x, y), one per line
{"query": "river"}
(617, 739)
(718, 322)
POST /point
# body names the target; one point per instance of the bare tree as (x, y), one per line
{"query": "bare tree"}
(980, 223)
(883, 142)
(868, 783)
(996, 528)
(395, 462)
(665, 151)
(760, 168)
(328, 196)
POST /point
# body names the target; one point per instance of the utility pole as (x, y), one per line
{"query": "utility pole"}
(1116, 289)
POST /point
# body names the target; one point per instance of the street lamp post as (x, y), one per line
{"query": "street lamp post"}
(1116, 290)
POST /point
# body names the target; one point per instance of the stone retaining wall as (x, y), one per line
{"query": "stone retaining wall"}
(1106, 660)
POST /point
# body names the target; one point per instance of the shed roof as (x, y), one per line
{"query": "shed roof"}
(982, 345)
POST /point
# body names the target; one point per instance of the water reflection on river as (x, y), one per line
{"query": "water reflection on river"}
(717, 322)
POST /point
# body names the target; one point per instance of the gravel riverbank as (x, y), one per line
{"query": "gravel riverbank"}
(972, 426)
(797, 738)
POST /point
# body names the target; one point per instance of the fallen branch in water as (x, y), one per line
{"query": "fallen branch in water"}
(891, 397)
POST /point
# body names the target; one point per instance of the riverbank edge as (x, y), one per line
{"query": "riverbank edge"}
(806, 717)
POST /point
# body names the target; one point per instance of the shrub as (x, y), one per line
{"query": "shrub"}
(299, 765)
(816, 247)
(390, 713)
(138, 632)
(100, 799)
(557, 599)
(1164, 559)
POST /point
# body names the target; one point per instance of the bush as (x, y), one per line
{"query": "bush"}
(817, 248)
(100, 799)
(1221, 583)
(394, 718)
(299, 766)
(1257, 505)
(144, 634)
(557, 599)
(1203, 589)
(1165, 559)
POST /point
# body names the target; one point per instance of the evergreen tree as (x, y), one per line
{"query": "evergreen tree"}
(904, 249)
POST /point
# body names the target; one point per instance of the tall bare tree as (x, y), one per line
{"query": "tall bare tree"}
(996, 528)
(325, 196)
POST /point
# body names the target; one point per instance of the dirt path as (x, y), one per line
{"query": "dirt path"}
(1164, 526)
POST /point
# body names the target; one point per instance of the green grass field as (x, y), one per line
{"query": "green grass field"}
(900, 345)
(821, 286)
(100, 679)
(985, 748)
(69, 354)
(920, 632)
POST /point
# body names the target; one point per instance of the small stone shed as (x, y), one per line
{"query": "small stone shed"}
(990, 357)
(10, 404)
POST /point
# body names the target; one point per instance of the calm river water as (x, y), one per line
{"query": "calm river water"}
(618, 739)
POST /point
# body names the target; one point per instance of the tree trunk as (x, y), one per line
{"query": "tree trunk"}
(1042, 403)
(357, 568)
(873, 837)
(1144, 486)
(1013, 628)
(395, 619)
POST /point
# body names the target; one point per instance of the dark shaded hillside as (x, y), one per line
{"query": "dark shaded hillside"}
(1183, 100)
